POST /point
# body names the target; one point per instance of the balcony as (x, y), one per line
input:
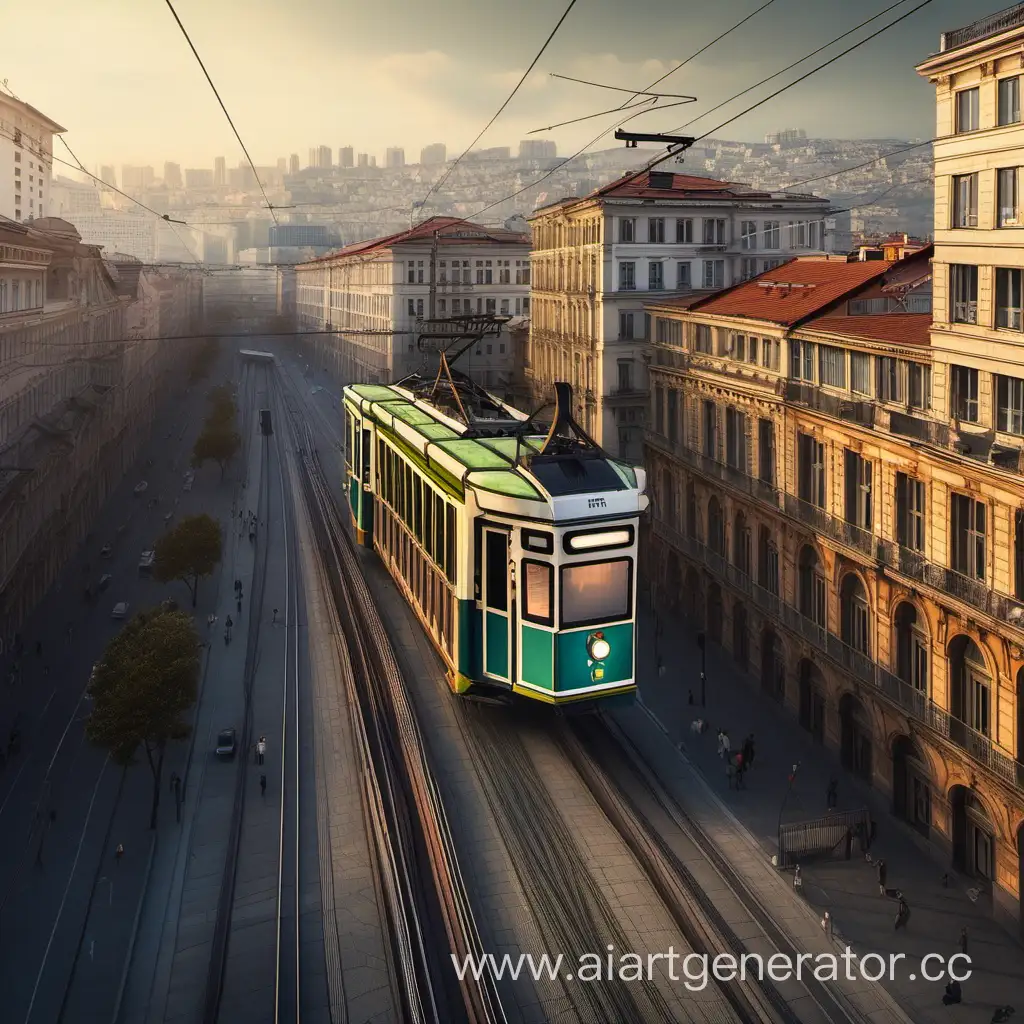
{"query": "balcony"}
(838, 529)
(811, 396)
(627, 393)
(919, 428)
(914, 702)
(1002, 21)
(703, 249)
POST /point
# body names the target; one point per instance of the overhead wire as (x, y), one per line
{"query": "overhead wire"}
(195, 53)
(540, 53)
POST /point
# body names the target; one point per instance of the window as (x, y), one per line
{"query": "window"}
(810, 469)
(965, 393)
(771, 235)
(1010, 404)
(710, 432)
(832, 366)
(736, 440)
(489, 305)
(858, 490)
(860, 373)
(538, 592)
(1008, 215)
(889, 384)
(967, 522)
(911, 648)
(683, 276)
(504, 309)
(412, 271)
(801, 360)
(748, 234)
(965, 201)
(855, 614)
(812, 587)
(716, 527)
(739, 347)
(627, 276)
(703, 339)
(669, 332)
(714, 231)
(659, 410)
(655, 276)
(748, 268)
(1008, 298)
(656, 229)
(919, 386)
(910, 520)
(442, 306)
(741, 544)
(627, 229)
(684, 231)
(1009, 100)
(625, 375)
(967, 119)
(419, 307)
(626, 321)
(770, 353)
(595, 592)
(963, 287)
(673, 416)
(767, 562)
(714, 273)
(766, 451)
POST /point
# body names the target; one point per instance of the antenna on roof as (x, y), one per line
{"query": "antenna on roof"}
(564, 428)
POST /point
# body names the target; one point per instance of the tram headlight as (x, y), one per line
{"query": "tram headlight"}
(597, 647)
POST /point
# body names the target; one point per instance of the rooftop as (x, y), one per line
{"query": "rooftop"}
(983, 28)
(892, 328)
(449, 230)
(47, 121)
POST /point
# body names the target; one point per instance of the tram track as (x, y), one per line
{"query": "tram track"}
(418, 873)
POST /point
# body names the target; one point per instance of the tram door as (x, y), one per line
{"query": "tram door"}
(497, 622)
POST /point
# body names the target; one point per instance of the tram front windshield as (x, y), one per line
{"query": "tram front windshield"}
(594, 592)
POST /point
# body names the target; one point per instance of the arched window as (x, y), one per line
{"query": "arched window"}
(972, 686)
(741, 544)
(911, 647)
(716, 527)
(767, 562)
(812, 587)
(856, 614)
(692, 529)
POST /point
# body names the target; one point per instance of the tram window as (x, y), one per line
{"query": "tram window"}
(439, 554)
(535, 541)
(496, 570)
(428, 522)
(449, 557)
(538, 591)
(595, 592)
(366, 457)
(417, 515)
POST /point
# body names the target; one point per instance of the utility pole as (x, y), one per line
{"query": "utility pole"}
(433, 277)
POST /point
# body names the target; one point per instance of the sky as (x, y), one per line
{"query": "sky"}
(119, 75)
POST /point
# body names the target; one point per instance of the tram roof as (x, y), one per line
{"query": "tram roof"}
(490, 461)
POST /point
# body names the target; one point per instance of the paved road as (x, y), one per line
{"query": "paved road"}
(96, 805)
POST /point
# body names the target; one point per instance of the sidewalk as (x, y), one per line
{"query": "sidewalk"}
(846, 889)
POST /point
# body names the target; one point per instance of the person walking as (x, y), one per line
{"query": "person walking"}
(902, 913)
(748, 751)
(261, 749)
(726, 746)
(881, 870)
(263, 785)
(963, 940)
(832, 794)
(119, 853)
(720, 741)
(229, 623)
(274, 622)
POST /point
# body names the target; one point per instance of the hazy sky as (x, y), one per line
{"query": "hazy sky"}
(119, 76)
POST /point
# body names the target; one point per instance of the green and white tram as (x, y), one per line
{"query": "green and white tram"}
(516, 549)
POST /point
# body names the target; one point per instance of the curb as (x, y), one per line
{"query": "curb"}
(130, 952)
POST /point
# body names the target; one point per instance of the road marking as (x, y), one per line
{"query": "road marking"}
(67, 889)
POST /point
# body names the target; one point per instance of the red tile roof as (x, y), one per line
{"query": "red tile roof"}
(451, 231)
(793, 291)
(689, 185)
(895, 328)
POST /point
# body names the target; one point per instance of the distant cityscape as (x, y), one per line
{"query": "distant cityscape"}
(340, 196)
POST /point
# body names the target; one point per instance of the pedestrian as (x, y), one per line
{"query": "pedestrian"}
(229, 622)
(119, 853)
(720, 741)
(263, 785)
(748, 750)
(211, 619)
(689, 697)
(902, 914)
(798, 882)
(730, 773)
(252, 535)
(274, 623)
(832, 793)
(953, 993)
(881, 870)
(238, 604)
(238, 584)
(726, 746)
(227, 636)
(826, 924)
(741, 767)
(963, 940)
(261, 750)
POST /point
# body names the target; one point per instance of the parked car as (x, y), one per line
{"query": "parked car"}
(146, 560)
(120, 610)
(103, 583)
(190, 479)
(141, 487)
(226, 743)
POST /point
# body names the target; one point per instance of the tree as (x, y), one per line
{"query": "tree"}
(222, 407)
(218, 441)
(141, 687)
(203, 360)
(188, 552)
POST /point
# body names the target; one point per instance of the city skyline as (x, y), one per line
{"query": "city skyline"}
(146, 71)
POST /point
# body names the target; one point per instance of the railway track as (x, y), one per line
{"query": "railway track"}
(418, 871)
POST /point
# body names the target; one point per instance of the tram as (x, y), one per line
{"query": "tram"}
(249, 355)
(516, 547)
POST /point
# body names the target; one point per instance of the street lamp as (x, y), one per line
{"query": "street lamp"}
(702, 644)
(789, 789)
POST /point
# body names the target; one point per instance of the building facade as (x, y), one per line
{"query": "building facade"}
(395, 157)
(220, 172)
(597, 259)
(435, 153)
(382, 290)
(345, 157)
(26, 159)
(820, 514)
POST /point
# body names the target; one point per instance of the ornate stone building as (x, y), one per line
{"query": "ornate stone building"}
(596, 260)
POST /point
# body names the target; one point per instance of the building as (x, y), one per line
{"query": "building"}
(220, 171)
(198, 177)
(434, 154)
(395, 157)
(324, 157)
(363, 160)
(892, 247)
(381, 291)
(26, 159)
(293, 164)
(538, 149)
(345, 156)
(132, 232)
(172, 175)
(68, 197)
(136, 179)
(72, 423)
(493, 153)
(108, 175)
(597, 259)
(786, 137)
(299, 234)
